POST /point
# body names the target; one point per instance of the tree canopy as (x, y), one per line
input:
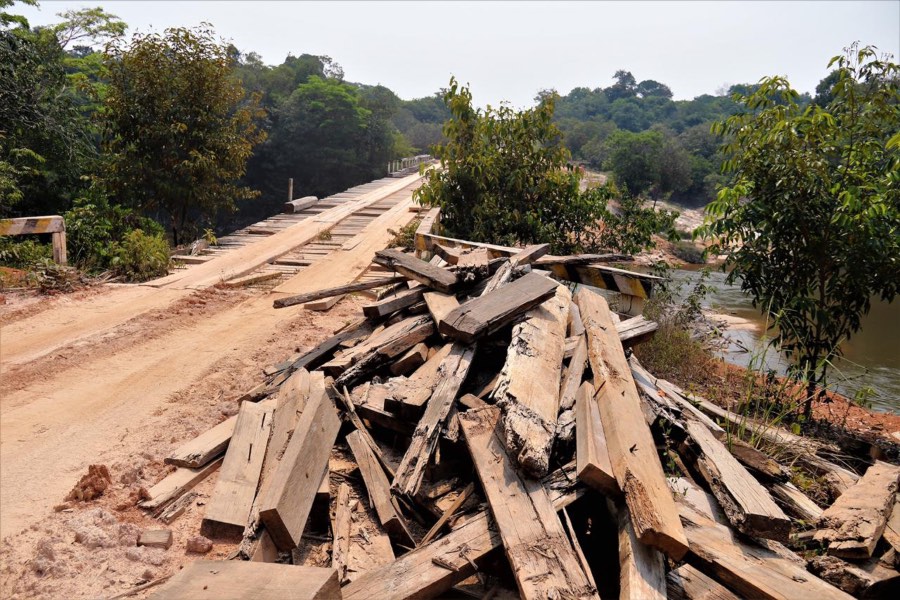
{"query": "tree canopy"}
(810, 223)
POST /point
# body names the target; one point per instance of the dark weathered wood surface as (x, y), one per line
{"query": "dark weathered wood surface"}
(419, 270)
(336, 291)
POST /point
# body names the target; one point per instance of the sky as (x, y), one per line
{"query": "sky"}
(509, 51)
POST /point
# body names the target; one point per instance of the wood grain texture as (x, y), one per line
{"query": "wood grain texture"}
(295, 482)
(796, 502)
(527, 390)
(591, 451)
(543, 561)
(340, 548)
(452, 372)
(491, 311)
(440, 305)
(205, 447)
(751, 571)
(419, 270)
(175, 484)
(747, 504)
(632, 451)
(215, 580)
(687, 583)
(642, 569)
(854, 523)
(229, 507)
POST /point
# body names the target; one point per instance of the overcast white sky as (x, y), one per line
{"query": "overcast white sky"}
(511, 50)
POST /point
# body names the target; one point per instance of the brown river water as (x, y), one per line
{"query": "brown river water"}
(871, 358)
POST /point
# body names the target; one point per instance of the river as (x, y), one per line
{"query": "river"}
(871, 356)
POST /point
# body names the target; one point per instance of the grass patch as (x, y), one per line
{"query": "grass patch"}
(406, 237)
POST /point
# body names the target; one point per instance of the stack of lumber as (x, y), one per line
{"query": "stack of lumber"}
(482, 431)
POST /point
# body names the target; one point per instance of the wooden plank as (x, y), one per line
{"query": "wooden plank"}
(453, 371)
(854, 523)
(205, 447)
(392, 303)
(636, 330)
(632, 450)
(570, 383)
(177, 483)
(746, 503)
(528, 388)
(408, 398)
(451, 510)
(379, 490)
(543, 561)
(229, 507)
(440, 305)
(32, 225)
(300, 204)
(318, 355)
(215, 579)
(251, 279)
(796, 502)
(177, 508)
(869, 579)
(591, 452)
(413, 358)
(892, 529)
(340, 290)
(381, 348)
(529, 254)
(430, 570)
(285, 508)
(156, 538)
(687, 583)
(642, 569)
(340, 549)
(419, 270)
(491, 311)
(749, 570)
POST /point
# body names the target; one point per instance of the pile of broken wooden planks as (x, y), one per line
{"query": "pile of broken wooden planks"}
(484, 431)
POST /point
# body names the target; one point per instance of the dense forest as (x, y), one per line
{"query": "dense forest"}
(178, 132)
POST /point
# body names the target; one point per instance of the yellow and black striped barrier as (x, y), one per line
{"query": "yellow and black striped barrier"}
(53, 224)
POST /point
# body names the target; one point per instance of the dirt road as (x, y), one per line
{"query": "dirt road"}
(123, 376)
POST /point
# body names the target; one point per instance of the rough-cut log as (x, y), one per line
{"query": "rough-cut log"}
(295, 482)
(869, 579)
(295, 206)
(340, 549)
(229, 507)
(419, 270)
(796, 502)
(642, 569)
(379, 349)
(440, 305)
(491, 311)
(687, 583)
(408, 398)
(433, 569)
(392, 303)
(336, 291)
(413, 358)
(205, 447)
(528, 388)
(632, 451)
(636, 330)
(752, 571)
(379, 489)
(571, 381)
(177, 483)
(257, 580)
(747, 504)
(543, 561)
(453, 371)
(591, 452)
(892, 529)
(759, 463)
(854, 523)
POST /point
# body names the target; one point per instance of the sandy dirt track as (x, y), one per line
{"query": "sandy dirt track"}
(121, 377)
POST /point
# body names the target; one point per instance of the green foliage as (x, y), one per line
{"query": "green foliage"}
(141, 256)
(506, 180)
(649, 161)
(811, 222)
(94, 226)
(406, 237)
(23, 253)
(178, 127)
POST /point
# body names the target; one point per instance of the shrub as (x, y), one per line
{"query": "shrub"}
(141, 256)
(23, 253)
(406, 237)
(688, 252)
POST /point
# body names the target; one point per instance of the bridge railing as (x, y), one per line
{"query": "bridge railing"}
(53, 224)
(407, 166)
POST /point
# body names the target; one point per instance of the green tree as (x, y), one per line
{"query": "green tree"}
(506, 179)
(811, 223)
(178, 127)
